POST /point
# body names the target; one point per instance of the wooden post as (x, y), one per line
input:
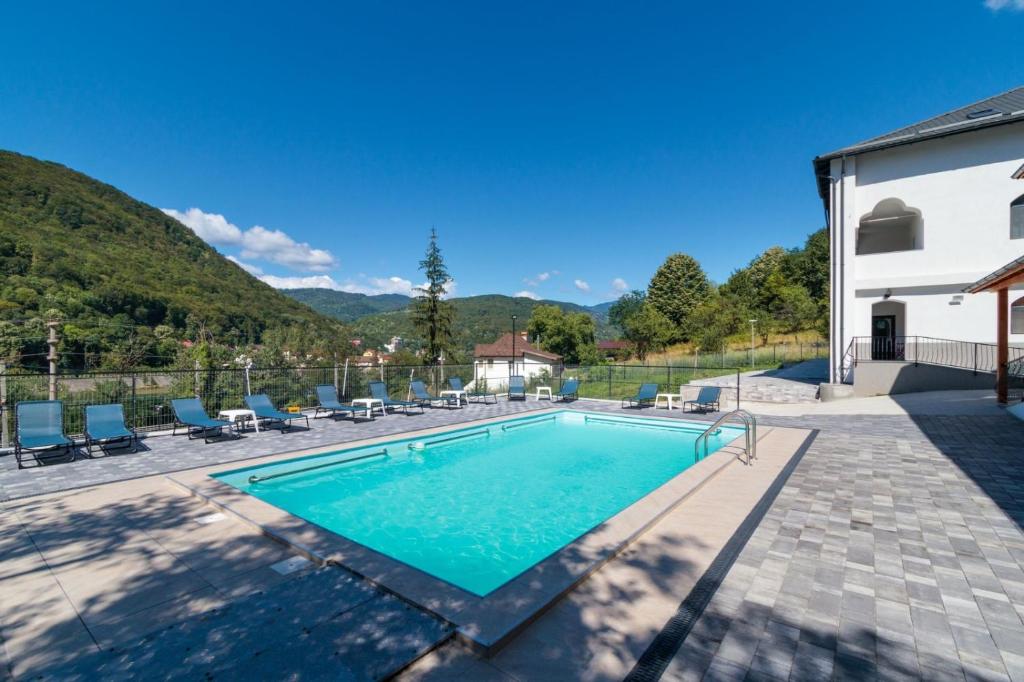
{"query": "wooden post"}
(1002, 344)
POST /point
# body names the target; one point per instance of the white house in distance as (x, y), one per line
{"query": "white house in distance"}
(915, 217)
(495, 362)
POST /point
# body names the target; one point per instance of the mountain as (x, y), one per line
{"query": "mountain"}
(346, 306)
(479, 319)
(104, 262)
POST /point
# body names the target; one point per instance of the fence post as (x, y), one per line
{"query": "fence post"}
(737, 389)
(669, 379)
(51, 355)
(335, 373)
(248, 385)
(975, 358)
(196, 377)
(4, 435)
(135, 409)
(609, 382)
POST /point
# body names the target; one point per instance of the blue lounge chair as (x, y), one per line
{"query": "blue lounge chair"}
(268, 414)
(379, 391)
(38, 427)
(419, 391)
(189, 412)
(104, 425)
(706, 400)
(457, 385)
(327, 396)
(570, 390)
(516, 388)
(645, 396)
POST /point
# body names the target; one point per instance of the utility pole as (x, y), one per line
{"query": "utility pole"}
(51, 341)
(752, 323)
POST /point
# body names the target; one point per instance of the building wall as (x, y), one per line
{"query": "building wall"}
(961, 186)
(496, 374)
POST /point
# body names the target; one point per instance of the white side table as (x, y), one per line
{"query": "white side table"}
(667, 397)
(460, 396)
(544, 389)
(239, 417)
(371, 404)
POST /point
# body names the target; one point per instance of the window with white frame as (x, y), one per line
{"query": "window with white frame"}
(1017, 218)
(1017, 316)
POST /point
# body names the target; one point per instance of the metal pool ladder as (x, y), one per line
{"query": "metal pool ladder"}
(749, 429)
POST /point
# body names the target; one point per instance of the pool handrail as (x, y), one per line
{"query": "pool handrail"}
(749, 430)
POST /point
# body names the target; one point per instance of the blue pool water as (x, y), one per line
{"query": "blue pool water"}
(481, 508)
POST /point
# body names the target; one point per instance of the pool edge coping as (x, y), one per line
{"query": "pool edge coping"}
(485, 623)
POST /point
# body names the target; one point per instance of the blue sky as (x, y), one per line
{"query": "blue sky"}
(561, 149)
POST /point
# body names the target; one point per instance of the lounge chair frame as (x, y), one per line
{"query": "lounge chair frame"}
(129, 441)
(567, 395)
(332, 410)
(479, 395)
(517, 392)
(429, 400)
(642, 398)
(285, 419)
(381, 394)
(65, 448)
(193, 429)
(703, 402)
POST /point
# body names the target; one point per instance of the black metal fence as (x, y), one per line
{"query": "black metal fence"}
(146, 395)
(927, 350)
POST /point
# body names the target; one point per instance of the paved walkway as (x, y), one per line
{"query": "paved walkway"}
(894, 551)
(795, 384)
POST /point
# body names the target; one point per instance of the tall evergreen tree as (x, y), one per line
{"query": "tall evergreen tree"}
(678, 287)
(433, 316)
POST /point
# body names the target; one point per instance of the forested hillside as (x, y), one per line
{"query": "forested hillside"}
(479, 319)
(118, 273)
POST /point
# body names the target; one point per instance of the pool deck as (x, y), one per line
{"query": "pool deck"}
(890, 547)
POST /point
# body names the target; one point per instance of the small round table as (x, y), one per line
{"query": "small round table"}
(239, 417)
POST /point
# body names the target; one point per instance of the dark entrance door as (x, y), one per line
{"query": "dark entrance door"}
(883, 337)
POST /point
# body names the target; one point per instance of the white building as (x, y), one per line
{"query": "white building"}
(495, 362)
(916, 216)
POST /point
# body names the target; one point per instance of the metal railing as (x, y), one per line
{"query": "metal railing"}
(146, 394)
(926, 350)
(749, 431)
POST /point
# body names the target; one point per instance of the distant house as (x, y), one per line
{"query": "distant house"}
(616, 350)
(494, 362)
(394, 345)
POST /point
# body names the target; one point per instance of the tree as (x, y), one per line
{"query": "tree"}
(712, 322)
(793, 309)
(571, 335)
(648, 330)
(677, 287)
(624, 308)
(434, 317)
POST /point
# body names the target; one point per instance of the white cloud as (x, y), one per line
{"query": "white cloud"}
(526, 293)
(248, 267)
(544, 276)
(540, 277)
(582, 285)
(310, 282)
(619, 284)
(277, 247)
(210, 227)
(379, 285)
(996, 5)
(257, 242)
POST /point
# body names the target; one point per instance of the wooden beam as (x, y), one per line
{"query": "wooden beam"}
(1002, 344)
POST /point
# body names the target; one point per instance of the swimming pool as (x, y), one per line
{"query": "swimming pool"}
(477, 506)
